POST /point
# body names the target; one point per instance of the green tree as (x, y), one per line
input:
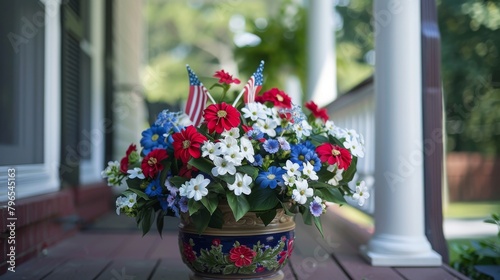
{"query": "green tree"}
(471, 74)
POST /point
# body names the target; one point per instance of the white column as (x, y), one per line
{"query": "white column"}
(399, 238)
(321, 80)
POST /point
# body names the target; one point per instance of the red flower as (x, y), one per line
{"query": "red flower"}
(189, 253)
(124, 165)
(131, 148)
(220, 117)
(187, 143)
(151, 163)
(241, 256)
(332, 154)
(318, 113)
(225, 78)
(216, 242)
(277, 97)
(187, 170)
(124, 161)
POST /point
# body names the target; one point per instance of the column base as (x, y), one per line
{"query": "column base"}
(430, 258)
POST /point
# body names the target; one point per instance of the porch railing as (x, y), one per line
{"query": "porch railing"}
(356, 110)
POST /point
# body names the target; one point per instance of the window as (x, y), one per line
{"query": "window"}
(29, 99)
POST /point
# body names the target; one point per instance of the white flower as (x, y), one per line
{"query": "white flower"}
(302, 192)
(355, 147)
(241, 184)
(227, 145)
(209, 149)
(338, 174)
(233, 132)
(329, 125)
(234, 156)
(308, 170)
(267, 126)
(361, 193)
(197, 187)
(135, 173)
(247, 148)
(289, 180)
(338, 132)
(302, 129)
(292, 168)
(222, 166)
(130, 200)
(120, 203)
(254, 111)
(183, 190)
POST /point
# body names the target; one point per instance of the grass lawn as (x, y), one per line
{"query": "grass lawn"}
(470, 210)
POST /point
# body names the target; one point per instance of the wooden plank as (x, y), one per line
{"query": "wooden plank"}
(34, 269)
(417, 273)
(455, 273)
(310, 259)
(128, 269)
(137, 246)
(89, 246)
(77, 269)
(171, 268)
(167, 247)
(358, 268)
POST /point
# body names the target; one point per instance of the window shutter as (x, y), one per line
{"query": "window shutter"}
(72, 32)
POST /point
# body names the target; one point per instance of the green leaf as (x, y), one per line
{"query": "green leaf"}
(318, 139)
(320, 185)
(178, 181)
(202, 164)
(307, 216)
(139, 193)
(210, 201)
(349, 174)
(317, 223)
(201, 220)
(217, 219)
(216, 188)
(193, 206)
(263, 199)
(159, 222)
(249, 170)
(331, 194)
(238, 204)
(134, 183)
(148, 217)
(267, 216)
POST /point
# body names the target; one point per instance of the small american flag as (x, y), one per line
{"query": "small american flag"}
(197, 98)
(253, 85)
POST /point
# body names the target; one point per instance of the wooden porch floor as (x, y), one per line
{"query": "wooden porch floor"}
(113, 249)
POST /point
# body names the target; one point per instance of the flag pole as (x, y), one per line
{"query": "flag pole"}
(238, 98)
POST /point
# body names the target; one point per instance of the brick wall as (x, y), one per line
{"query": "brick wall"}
(47, 219)
(473, 177)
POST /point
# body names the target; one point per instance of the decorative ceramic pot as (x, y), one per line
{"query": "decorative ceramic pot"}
(240, 250)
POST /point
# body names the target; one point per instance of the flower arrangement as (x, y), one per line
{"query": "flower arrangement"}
(260, 154)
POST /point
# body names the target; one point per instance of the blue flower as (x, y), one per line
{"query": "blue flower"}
(255, 134)
(271, 178)
(271, 146)
(183, 204)
(163, 199)
(153, 138)
(305, 152)
(258, 160)
(316, 208)
(154, 188)
(166, 119)
(285, 146)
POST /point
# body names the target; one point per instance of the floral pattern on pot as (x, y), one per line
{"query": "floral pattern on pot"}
(260, 255)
